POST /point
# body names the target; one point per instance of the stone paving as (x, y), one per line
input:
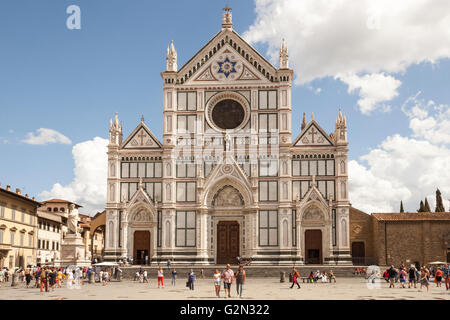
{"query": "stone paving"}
(256, 288)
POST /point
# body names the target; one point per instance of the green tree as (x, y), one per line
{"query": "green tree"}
(422, 207)
(439, 204)
(401, 206)
(427, 206)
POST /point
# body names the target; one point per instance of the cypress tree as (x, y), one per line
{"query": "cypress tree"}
(427, 206)
(439, 204)
(401, 206)
(422, 207)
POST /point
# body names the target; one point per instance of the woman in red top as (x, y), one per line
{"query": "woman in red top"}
(295, 277)
(438, 277)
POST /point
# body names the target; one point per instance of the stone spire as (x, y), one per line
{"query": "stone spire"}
(115, 131)
(284, 56)
(304, 122)
(171, 59)
(227, 18)
(341, 128)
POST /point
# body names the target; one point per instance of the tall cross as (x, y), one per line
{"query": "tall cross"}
(227, 9)
(312, 133)
(142, 135)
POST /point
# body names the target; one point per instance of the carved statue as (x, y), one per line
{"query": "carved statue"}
(72, 221)
(228, 197)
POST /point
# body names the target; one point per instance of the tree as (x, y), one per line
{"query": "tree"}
(401, 206)
(422, 207)
(427, 206)
(439, 204)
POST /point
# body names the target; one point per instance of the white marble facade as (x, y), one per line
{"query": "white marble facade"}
(227, 178)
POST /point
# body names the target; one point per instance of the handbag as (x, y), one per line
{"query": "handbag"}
(187, 283)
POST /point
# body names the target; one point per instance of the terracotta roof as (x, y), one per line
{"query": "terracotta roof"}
(59, 201)
(20, 196)
(412, 216)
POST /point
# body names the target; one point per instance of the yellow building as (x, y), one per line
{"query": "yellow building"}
(18, 229)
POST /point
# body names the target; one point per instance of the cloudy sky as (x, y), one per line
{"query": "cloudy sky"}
(385, 63)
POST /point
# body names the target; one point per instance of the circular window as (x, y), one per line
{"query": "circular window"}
(228, 114)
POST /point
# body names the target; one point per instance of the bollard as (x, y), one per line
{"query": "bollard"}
(13, 280)
(91, 277)
(282, 276)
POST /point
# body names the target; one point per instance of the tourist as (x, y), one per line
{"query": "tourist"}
(424, 279)
(100, 276)
(28, 277)
(311, 277)
(36, 277)
(402, 276)
(52, 279)
(227, 276)
(145, 277)
(428, 273)
(168, 264)
(446, 273)
(191, 279)
(136, 276)
(202, 275)
(160, 277)
(240, 280)
(217, 279)
(174, 277)
(59, 278)
(1, 276)
(412, 276)
(105, 277)
(295, 277)
(438, 277)
(43, 279)
(391, 275)
(331, 276)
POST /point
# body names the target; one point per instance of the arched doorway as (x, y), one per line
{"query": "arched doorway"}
(313, 247)
(227, 241)
(141, 247)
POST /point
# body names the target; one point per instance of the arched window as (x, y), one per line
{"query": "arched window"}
(111, 234)
(168, 232)
(55, 209)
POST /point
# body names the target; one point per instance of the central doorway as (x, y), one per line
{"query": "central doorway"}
(227, 242)
(141, 248)
(313, 247)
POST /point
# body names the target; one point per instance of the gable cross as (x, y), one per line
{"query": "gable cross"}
(142, 136)
(227, 9)
(312, 133)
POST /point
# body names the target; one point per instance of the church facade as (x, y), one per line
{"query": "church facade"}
(228, 179)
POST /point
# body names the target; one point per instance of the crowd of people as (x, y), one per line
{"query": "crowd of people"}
(413, 276)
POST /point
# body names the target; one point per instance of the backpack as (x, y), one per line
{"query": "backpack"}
(42, 275)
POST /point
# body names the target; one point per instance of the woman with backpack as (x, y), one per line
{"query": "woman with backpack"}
(295, 277)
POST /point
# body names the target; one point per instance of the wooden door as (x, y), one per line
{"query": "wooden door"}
(358, 253)
(313, 247)
(227, 242)
(141, 246)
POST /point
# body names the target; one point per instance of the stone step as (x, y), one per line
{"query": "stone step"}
(251, 271)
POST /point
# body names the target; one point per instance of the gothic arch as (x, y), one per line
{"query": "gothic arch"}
(141, 211)
(314, 211)
(227, 196)
(228, 181)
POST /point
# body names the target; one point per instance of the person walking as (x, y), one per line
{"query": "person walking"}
(331, 276)
(424, 279)
(391, 274)
(52, 279)
(227, 276)
(240, 280)
(174, 277)
(217, 280)
(28, 277)
(43, 278)
(160, 277)
(59, 278)
(295, 277)
(168, 264)
(145, 277)
(105, 277)
(402, 277)
(446, 274)
(438, 277)
(412, 279)
(191, 279)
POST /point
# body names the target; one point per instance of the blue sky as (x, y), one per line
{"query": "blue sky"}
(72, 81)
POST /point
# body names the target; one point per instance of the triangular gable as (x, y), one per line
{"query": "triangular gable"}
(313, 135)
(195, 67)
(227, 65)
(313, 194)
(141, 138)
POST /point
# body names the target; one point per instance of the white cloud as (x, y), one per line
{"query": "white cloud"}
(406, 168)
(346, 37)
(373, 89)
(88, 187)
(45, 136)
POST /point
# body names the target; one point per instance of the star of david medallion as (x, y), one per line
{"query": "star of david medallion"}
(226, 67)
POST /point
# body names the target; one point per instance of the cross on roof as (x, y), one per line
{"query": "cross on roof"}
(142, 135)
(227, 9)
(312, 133)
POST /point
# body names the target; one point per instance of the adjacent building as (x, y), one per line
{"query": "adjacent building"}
(228, 179)
(393, 238)
(49, 237)
(18, 231)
